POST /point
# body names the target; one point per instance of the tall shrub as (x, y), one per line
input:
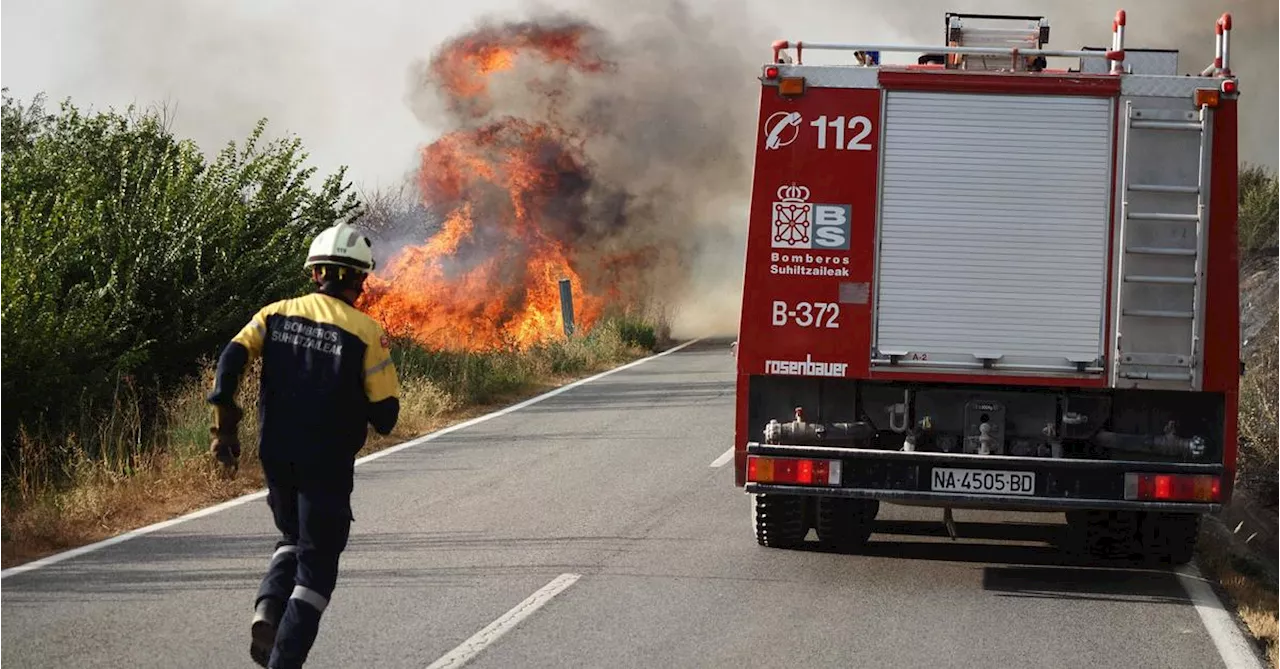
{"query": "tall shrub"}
(128, 255)
(1259, 207)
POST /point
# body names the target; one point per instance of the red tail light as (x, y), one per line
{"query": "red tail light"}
(771, 72)
(795, 471)
(1172, 487)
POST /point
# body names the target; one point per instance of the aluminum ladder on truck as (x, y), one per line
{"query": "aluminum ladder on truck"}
(1159, 305)
(999, 31)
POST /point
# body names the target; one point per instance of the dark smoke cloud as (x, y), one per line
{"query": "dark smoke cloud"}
(682, 115)
(335, 74)
(670, 172)
(659, 175)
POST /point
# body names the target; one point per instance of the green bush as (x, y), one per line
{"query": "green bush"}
(1259, 200)
(128, 256)
(638, 333)
(472, 378)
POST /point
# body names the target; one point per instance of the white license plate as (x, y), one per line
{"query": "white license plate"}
(984, 481)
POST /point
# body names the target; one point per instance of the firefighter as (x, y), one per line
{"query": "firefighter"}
(326, 375)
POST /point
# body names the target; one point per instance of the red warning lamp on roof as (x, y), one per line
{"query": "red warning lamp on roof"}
(1229, 86)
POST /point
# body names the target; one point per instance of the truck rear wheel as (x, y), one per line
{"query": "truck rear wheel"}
(1105, 535)
(781, 521)
(844, 524)
(1167, 538)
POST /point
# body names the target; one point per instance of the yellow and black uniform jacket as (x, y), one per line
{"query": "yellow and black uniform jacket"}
(326, 375)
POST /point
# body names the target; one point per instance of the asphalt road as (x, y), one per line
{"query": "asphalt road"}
(610, 481)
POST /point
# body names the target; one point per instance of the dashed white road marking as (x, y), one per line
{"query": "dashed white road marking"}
(724, 458)
(493, 631)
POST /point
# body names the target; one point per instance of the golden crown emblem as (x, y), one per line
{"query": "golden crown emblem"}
(793, 193)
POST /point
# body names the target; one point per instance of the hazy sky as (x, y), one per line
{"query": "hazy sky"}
(340, 76)
(337, 73)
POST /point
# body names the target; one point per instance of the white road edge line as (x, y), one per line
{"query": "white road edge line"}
(121, 538)
(1232, 646)
(723, 459)
(468, 649)
(516, 407)
(141, 531)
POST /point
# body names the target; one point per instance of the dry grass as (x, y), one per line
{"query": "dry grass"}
(66, 494)
(1249, 583)
(1258, 398)
(1254, 589)
(1256, 606)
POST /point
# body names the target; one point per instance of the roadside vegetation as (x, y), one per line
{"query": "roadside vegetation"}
(1249, 582)
(1259, 218)
(130, 258)
(1259, 208)
(1247, 578)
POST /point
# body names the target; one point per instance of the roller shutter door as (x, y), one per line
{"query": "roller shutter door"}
(993, 229)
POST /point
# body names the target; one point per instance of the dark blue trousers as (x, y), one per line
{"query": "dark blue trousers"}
(313, 513)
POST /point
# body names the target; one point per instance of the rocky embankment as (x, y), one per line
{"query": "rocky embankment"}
(1252, 515)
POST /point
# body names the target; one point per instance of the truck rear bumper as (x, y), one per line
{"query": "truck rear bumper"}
(907, 478)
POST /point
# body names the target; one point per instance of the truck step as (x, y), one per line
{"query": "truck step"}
(1158, 313)
(1160, 251)
(1157, 188)
(1167, 125)
(1152, 216)
(1178, 280)
(1156, 359)
(1157, 376)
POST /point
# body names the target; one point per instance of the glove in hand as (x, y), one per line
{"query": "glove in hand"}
(225, 446)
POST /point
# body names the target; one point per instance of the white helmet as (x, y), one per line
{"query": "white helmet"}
(341, 245)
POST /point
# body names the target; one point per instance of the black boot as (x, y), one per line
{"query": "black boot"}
(266, 617)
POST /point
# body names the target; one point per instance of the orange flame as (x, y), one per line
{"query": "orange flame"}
(489, 277)
(463, 67)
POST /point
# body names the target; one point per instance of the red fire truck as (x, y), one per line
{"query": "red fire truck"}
(978, 281)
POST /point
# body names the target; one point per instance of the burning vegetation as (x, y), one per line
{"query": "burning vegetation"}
(514, 196)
